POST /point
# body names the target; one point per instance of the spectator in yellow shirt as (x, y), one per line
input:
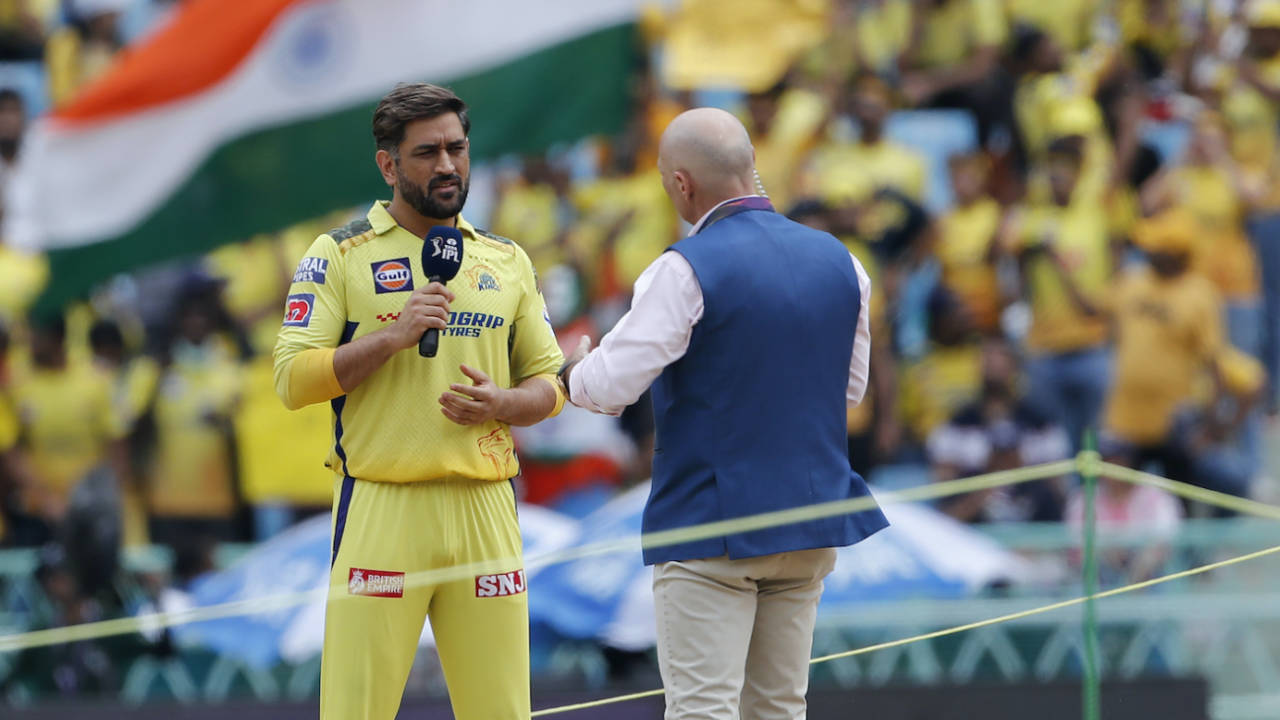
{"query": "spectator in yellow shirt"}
(953, 61)
(1064, 253)
(83, 50)
(534, 206)
(1208, 184)
(133, 384)
(191, 490)
(884, 163)
(966, 241)
(785, 123)
(624, 222)
(67, 429)
(1169, 336)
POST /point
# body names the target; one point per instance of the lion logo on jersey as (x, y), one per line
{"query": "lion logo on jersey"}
(496, 448)
(355, 586)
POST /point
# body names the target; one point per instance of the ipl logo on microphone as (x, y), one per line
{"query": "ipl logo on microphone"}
(445, 248)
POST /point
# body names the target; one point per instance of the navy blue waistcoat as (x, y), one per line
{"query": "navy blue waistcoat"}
(752, 418)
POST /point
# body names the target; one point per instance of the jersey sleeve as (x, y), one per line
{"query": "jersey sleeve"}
(534, 350)
(315, 316)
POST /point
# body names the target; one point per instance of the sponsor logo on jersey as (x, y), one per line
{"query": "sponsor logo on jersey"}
(500, 585)
(311, 270)
(392, 276)
(375, 583)
(297, 309)
(461, 324)
(470, 324)
(484, 278)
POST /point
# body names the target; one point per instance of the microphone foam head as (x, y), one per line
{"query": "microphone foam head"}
(442, 253)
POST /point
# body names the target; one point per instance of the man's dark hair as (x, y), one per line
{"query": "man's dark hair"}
(413, 101)
(105, 334)
(8, 95)
(1068, 147)
(50, 324)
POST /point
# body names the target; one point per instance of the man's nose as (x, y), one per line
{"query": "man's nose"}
(444, 165)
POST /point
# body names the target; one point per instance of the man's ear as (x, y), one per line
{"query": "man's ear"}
(387, 166)
(684, 183)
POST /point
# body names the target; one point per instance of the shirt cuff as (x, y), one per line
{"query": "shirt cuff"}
(578, 394)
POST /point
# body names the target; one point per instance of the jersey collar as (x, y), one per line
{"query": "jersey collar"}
(382, 222)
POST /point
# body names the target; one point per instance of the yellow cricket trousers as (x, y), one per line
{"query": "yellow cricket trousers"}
(390, 543)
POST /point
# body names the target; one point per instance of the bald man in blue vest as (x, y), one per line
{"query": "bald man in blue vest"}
(754, 334)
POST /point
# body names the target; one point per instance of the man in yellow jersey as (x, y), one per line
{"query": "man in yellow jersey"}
(1169, 340)
(1064, 253)
(422, 448)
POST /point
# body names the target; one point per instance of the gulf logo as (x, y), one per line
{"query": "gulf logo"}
(392, 276)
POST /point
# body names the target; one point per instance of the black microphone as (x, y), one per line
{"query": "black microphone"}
(441, 260)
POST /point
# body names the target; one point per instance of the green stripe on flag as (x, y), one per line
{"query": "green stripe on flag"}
(268, 180)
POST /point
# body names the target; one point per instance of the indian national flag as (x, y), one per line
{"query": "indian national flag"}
(243, 117)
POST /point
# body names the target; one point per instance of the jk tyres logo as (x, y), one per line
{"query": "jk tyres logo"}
(392, 276)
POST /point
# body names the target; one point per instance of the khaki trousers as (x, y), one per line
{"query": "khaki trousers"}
(734, 636)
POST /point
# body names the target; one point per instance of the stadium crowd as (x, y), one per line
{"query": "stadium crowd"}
(1101, 250)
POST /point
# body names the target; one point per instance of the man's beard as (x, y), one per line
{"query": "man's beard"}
(426, 204)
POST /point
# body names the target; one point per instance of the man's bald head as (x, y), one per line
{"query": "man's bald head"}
(705, 157)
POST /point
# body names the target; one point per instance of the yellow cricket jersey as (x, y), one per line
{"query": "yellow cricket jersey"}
(792, 134)
(192, 473)
(650, 230)
(532, 210)
(1078, 233)
(356, 280)
(885, 164)
(965, 237)
(952, 31)
(66, 421)
(1224, 253)
(883, 32)
(1167, 333)
(1252, 118)
(937, 385)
